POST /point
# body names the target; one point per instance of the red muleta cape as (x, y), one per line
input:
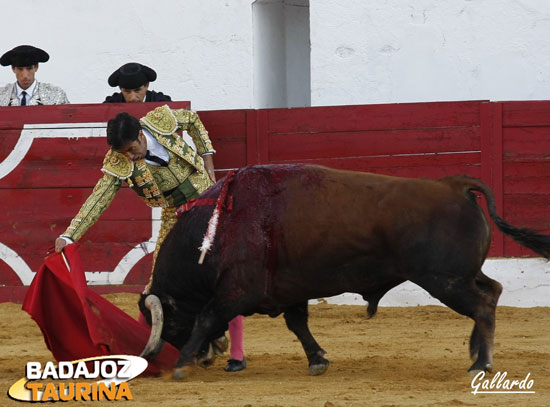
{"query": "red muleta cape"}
(78, 323)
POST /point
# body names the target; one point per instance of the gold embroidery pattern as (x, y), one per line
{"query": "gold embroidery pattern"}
(117, 165)
(201, 181)
(170, 177)
(181, 149)
(161, 120)
(151, 192)
(186, 120)
(147, 188)
(168, 220)
(159, 202)
(142, 176)
(190, 121)
(101, 197)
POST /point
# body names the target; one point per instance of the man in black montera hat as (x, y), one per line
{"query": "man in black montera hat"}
(133, 81)
(27, 91)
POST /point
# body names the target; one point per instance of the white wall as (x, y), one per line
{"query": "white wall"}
(427, 50)
(201, 50)
(281, 53)
(525, 282)
(362, 51)
(269, 54)
(298, 64)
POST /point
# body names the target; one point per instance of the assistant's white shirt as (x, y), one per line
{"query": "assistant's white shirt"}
(29, 90)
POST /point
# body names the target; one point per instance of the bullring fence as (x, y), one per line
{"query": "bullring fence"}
(50, 159)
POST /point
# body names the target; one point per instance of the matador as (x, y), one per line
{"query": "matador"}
(155, 161)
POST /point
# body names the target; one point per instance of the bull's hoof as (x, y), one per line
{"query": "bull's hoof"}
(206, 363)
(181, 373)
(318, 369)
(475, 369)
(206, 359)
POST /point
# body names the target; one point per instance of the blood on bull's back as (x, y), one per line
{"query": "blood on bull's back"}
(310, 231)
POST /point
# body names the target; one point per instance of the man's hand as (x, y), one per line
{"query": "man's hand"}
(60, 243)
(209, 166)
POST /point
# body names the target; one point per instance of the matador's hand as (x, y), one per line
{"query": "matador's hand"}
(60, 243)
(209, 166)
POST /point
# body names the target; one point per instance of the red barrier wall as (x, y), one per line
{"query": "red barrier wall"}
(504, 143)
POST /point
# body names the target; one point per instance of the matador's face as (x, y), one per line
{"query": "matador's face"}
(135, 150)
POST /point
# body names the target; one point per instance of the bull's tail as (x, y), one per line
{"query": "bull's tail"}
(529, 238)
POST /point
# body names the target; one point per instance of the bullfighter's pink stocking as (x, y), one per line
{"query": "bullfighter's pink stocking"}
(236, 336)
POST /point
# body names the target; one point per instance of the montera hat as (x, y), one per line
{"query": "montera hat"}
(132, 75)
(24, 55)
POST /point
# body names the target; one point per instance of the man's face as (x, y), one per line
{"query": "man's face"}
(135, 95)
(135, 150)
(25, 75)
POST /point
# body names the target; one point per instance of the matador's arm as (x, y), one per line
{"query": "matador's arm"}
(100, 199)
(190, 122)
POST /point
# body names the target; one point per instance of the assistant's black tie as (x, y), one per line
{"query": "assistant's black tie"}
(156, 159)
(23, 98)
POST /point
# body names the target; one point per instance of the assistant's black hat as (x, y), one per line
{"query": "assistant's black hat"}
(132, 75)
(24, 55)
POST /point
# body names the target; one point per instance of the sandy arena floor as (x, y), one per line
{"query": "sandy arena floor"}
(403, 357)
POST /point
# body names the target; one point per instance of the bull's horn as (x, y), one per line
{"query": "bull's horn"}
(154, 344)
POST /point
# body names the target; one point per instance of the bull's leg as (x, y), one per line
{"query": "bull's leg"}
(491, 291)
(480, 305)
(476, 298)
(207, 326)
(296, 320)
(475, 343)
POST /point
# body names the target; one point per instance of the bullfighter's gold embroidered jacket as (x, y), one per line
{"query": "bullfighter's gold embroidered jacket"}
(184, 177)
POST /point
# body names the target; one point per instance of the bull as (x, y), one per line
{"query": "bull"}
(299, 232)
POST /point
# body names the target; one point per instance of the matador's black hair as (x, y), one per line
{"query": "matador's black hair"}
(122, 129)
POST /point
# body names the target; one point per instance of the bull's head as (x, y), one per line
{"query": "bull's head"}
(174, 330)
(168, 323)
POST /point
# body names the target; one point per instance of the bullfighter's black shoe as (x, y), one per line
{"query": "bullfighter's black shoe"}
(234, 365)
